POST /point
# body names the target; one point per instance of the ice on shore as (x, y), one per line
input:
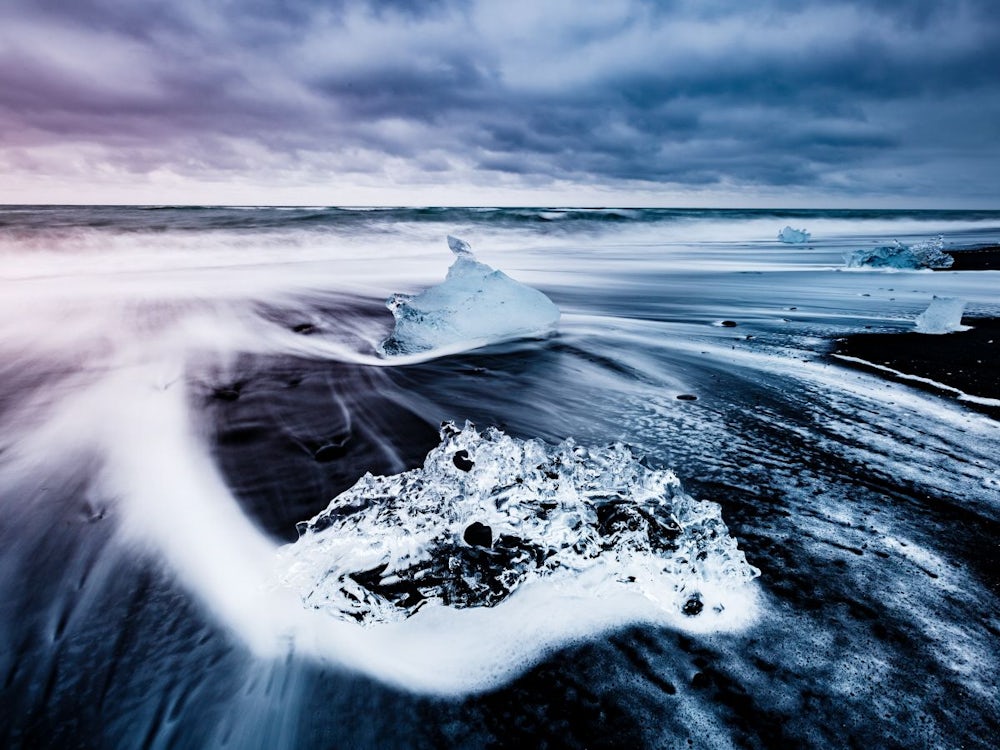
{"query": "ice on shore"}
(475, 304)
(928, 254)
(488, 513)
(943, 315)
(793, 236)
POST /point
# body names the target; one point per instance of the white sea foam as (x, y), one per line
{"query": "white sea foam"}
(132, 416)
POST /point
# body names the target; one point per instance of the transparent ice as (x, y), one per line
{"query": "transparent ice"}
(488, 513)
(943, 315)
(927, 254)
(474, 305)
(793, 236)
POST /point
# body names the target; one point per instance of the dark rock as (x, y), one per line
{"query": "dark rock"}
(227, 394)
(693, 606)
(462, 460)
(478, 535)
(304, 328)
(728, 324)
(700, 680)
(687, 397)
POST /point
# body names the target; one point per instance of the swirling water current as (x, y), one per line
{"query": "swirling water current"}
(180, 387)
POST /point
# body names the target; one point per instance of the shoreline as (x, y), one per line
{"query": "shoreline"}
(984, 258)
(964, 365)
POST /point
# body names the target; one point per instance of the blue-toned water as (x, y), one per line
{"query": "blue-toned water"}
(179, 387)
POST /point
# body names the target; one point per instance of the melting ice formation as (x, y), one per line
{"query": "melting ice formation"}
(475, 305)
(943, 315)
(487, 514)
(793, 236)
(929, 254)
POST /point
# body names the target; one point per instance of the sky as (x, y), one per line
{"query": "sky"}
(796, 103)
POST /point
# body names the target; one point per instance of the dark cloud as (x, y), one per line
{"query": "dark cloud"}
(784, 93)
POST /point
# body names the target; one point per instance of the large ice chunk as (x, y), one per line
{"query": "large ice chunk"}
(793, 236)
(943, 315)
(928, 254)
(474, 305)
(487, 514)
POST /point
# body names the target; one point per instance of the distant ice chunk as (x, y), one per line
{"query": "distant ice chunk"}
(928, 254)
(475, 304)
(793, 236)
(943, 315)
(488, 513)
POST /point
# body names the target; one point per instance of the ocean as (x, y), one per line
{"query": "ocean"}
(182, 389)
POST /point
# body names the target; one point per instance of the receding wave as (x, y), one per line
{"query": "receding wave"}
(180, 388)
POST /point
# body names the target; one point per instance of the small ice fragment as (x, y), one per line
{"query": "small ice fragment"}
(459, 247)
(943, 315)
(928, 254)
(474, 305)
(793, 236)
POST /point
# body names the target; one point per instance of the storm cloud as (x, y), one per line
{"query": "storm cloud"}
(897, 100)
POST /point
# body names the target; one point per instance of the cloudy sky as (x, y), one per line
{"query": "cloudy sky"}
(501, 102)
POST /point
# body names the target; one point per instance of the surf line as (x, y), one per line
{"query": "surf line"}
(959, 394)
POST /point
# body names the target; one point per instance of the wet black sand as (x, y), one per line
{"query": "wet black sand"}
(966, 360)
(976, 259)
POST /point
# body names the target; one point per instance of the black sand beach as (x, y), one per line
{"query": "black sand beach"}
(968, 361)
(977, 259)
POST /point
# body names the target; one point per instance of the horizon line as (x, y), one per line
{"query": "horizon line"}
(553, 207)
